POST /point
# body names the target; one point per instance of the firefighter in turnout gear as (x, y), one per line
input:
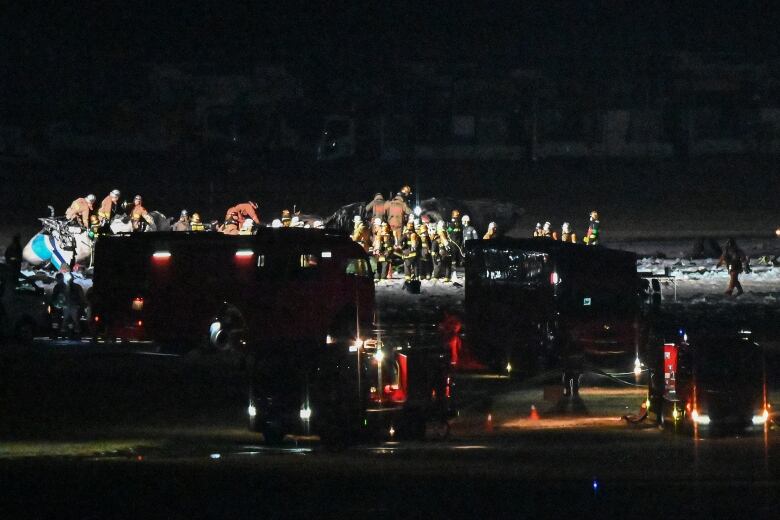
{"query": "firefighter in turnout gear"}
(455, 234)
(567, 235)
(397, 211)
(108, 207)
(442, 248)
(196, 224)
(538, 230)
(231, 226)
(244, 211)
(383, 251)
(183, 224)
(492, 232)
(362, 236)
(425, 265)
(469, 233)
(377, 208)
(405, 192)
(94, 226)
(79, 210)
(410, 249)
(139, 215)
(592, 237)
(286, 218)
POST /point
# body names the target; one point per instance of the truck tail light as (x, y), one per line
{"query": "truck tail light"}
(137, 304)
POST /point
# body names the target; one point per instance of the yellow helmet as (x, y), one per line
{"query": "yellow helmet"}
(455, 213)
(196, 218)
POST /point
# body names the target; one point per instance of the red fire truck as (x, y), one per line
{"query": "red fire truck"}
(705, 380)
(298, 303)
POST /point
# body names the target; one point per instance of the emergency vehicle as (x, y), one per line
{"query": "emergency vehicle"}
(538, 303)
(708, 380)
(298, 303)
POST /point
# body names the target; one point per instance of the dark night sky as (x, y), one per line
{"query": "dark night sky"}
(65, 44)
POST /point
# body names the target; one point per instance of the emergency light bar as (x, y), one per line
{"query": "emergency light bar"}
(244, 253)
(162, 254)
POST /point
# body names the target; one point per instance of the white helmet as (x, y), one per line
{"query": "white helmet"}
(276, 223)
(91, 198)
(377, 221)
(465, 219)
(356, 219)
(115, 193)
(547, 226)
(492, 225)
(565, 228)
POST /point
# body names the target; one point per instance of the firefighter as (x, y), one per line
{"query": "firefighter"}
(196, 224)
(492, 232)
(455, 234)
(547, 230)
(286, 218)
(183, 224)
(538, 230)
(425, 265)
(592, 237)
(140, 215)
(383, 251)
(94, 226)
(734, 259)
(80, 209)
(567, 235)
(397, 210)
(377, 207)
(376, 227)
(362, 236)
(469, 233)
(231, 225)
(405, 193)
(410, 250)
(108, 207)
(243, 211)
(442, 269)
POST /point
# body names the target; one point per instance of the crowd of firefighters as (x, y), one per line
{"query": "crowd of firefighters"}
(567, 234)
(394, 236)
(397, 238)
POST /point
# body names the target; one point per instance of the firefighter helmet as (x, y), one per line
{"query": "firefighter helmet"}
(138, 198)
(286, 215)
(115, 193)
(594, 215)
(91, 198)
(406, 190)
(196, 218)
(465, 219)
(455, 214)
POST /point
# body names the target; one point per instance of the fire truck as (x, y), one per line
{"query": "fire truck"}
(297, 303)
(707, 380)
(536, 304)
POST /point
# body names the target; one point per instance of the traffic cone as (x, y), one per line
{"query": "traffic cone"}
(534, 414)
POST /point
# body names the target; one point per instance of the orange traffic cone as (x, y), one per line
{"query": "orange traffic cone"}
(534, 414)
(489, 423)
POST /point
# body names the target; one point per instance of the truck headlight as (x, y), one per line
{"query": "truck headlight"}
(761, 418)
(305, 413)
(700, 418)
(251, 410)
